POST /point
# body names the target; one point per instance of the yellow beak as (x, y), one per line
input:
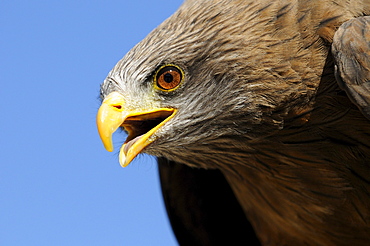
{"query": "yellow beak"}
(140, 125)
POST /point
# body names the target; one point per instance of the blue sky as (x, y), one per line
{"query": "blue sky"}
(58, 186)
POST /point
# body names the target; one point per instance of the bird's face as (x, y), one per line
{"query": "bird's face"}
(171, 109)
(193, 84)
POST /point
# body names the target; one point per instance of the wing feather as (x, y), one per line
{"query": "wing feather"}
(202, 207)
(351, 51)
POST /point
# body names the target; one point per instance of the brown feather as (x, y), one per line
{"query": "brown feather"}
(260, 102)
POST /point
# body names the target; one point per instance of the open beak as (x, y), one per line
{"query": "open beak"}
(140, 125)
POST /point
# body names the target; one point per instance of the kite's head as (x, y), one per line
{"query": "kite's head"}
(196, 88)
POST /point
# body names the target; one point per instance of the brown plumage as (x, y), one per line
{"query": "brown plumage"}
(273, 102)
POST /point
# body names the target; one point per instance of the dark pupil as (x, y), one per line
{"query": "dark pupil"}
(168, 77)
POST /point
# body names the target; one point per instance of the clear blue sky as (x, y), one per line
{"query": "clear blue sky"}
(58, 186)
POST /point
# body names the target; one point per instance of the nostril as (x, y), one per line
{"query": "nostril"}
(117, 106)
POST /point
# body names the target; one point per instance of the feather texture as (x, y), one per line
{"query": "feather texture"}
(260, 102)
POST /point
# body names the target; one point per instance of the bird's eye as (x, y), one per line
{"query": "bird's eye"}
(168, 77)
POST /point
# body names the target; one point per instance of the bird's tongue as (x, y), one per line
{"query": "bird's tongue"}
(126, 148)
(128, 145)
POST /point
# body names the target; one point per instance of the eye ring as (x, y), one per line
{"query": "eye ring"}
(168, 77)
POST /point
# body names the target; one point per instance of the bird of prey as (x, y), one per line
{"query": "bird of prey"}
(258, 113)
